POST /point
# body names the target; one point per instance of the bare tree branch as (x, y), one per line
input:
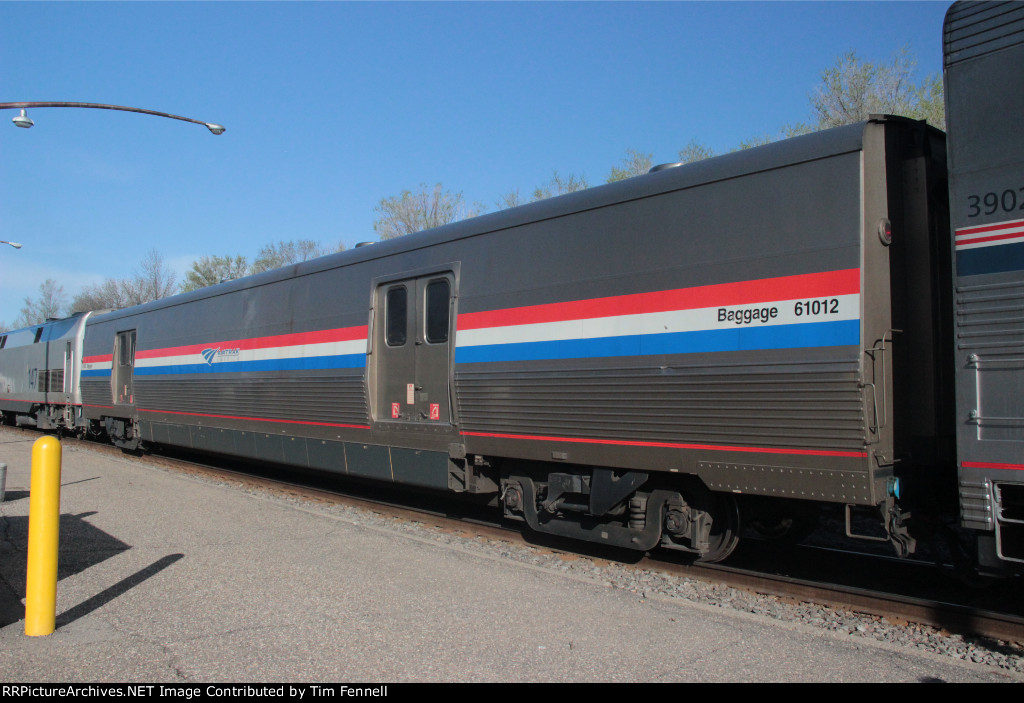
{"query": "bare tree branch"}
(428, 207)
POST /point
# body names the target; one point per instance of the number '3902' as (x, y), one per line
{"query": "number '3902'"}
(1009, 200)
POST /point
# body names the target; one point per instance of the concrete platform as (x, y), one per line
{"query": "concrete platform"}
(167, 578)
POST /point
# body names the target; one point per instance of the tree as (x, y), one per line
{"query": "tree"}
(211, 270)
(759, 140)
(50, 303)
(931, 102)
(853, 89)
(109, 295)
(796, 129)
(634, 164)
(560, 186)
(849, 92)
(428, 207)
(695, 151)
(152, 281)
(274, 256)
(511, 199)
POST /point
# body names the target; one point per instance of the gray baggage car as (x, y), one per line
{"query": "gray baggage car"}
(621, 364)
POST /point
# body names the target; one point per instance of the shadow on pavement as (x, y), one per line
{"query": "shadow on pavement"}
(122, 586)
(81, 546)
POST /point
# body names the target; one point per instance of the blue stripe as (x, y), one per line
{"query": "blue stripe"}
(344, 361)
(818, 334)
(994, 259)
(100, 372)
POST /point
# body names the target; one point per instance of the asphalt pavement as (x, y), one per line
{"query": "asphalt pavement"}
(165, 577)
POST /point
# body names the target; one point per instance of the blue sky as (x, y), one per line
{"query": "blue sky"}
(331, 106)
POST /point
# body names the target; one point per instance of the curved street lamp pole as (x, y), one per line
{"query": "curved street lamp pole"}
(23, 120)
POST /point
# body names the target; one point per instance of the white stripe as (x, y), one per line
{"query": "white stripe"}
(964, 236)
(847, 307)
(355, 346)
(962, 244)
(97, 365)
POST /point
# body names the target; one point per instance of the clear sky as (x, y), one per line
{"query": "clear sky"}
(331, 106)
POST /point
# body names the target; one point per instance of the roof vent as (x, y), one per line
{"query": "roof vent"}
(665, 167)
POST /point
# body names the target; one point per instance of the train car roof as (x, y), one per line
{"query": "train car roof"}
(62, 323)
(973, 29)
(809, 147)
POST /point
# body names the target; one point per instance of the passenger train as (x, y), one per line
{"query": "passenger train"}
(833, 320)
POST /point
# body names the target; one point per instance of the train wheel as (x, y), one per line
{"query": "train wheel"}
(725, 526)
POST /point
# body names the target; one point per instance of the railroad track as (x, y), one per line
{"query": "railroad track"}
(955, 609)
(898, 608)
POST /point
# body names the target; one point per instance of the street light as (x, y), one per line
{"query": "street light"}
(25, 121)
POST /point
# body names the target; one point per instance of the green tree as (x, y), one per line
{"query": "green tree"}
(426, 208)
(635, 163)
(796, 129)
(211, 270)
(759, 140)
(112, 294)
(852, 89)
(695, 151)
(559, 185)
(274, 256)
(849, 91)
(931, 102)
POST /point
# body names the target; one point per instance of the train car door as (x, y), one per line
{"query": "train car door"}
(124, 368)
(412, 344)
(69, 371)
(69, 382)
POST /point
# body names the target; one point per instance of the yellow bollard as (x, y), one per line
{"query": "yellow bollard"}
(43, 529)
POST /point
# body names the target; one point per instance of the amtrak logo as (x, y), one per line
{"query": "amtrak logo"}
(212, 355)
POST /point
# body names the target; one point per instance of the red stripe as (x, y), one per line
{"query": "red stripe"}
(989, 228)
(810, 285)
(253, 419)
(986, 465)
(345, 334)
(671, 445)
(97, 359)
(1012, 235)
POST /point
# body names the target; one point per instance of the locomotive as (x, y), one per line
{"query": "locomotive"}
(833, 320)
